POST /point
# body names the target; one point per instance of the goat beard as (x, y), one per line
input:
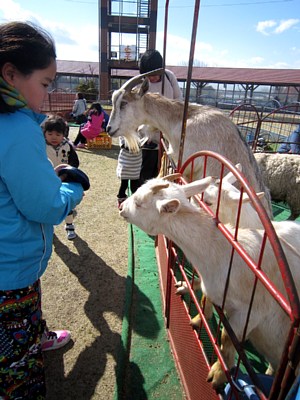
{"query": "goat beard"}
(133, 143)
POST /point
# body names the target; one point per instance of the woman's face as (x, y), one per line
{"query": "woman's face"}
(154, 78)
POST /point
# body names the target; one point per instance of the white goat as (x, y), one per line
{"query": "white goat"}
(281, 174)
(229, 201)
(161, 207)
(207, 128)
(228, 208)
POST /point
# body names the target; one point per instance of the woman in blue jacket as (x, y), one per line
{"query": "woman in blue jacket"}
(32, 200)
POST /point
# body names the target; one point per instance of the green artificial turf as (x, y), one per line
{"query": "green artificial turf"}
(149, 371)
(146, 368)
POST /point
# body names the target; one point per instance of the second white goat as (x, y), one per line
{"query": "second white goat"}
(161, 207)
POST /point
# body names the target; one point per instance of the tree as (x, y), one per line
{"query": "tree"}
(88, 87)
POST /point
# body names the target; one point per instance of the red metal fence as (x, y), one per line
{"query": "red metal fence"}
(59, 102)
(266, 129)
(195, 349)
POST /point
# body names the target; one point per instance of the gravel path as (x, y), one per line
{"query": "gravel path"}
(84, 287)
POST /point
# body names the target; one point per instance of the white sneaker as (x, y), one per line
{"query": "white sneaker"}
(70, 228)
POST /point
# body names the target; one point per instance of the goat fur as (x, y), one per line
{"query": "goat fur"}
(161, 207)
(207, 128)
(281, 174)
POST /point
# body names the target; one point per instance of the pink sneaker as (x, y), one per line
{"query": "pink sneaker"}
(120, 200)
(53, 340)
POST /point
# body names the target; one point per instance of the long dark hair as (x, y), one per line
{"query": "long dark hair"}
(96, 106)
(27, 46)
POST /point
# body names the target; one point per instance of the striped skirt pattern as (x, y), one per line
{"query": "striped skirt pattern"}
(129, 164)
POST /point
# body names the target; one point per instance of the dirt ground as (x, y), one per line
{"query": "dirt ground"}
(84, 287)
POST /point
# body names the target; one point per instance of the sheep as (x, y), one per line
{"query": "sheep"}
(281, 174)
(207, 128)
(162, 207)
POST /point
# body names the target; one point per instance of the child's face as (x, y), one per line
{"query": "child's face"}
(54, 138)
(34, 87)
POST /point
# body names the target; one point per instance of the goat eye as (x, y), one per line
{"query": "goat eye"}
(123, 104)
(137, 204)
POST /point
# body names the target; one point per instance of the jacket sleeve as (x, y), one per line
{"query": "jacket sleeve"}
(30, 179)
(75, 107)
(177, 94)
(295, 137)
(106, 119)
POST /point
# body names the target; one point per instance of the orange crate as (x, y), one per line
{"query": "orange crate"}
(102, 141)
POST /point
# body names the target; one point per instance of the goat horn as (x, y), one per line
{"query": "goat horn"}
(159, 187)
(131, 83)
(172, 177)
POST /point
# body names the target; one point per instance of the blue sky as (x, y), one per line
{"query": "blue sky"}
(230, 33)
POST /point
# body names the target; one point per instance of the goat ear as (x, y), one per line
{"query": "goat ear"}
(235, 197)
(172, 177)
(230, 178)
(169, 206)
(197, 187)
(260, 195)
(155, 189)
(144, 87)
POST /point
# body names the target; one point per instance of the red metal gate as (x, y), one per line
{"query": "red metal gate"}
(196, 349)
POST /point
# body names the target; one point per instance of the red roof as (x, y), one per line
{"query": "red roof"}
(259, 76)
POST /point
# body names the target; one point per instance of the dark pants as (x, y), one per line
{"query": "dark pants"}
(149, 167)
(80, 119)
(134, 185)
(79, 138)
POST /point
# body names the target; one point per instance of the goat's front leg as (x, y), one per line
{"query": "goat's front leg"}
(206, 304)
(182, 287)
(207, 308)
(216, 374)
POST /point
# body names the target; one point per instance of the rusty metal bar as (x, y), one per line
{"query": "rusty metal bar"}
(188, 82)
(165, 43)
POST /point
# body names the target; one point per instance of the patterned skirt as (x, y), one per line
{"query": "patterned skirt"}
(21, 359)
(129, 165)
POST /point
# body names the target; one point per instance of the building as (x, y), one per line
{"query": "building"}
(127, 29)
(222, 87)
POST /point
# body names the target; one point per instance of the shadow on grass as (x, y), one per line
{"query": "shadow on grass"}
(104, 286)
(110, 153)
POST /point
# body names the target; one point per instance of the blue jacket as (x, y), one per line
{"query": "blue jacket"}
(290, 146)
(32, 200)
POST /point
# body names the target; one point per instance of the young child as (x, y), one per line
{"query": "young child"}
(61, 151)
(128, 169)
(97, 121)
(33, 199)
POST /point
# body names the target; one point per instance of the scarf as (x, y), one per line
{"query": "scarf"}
(11, 96)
